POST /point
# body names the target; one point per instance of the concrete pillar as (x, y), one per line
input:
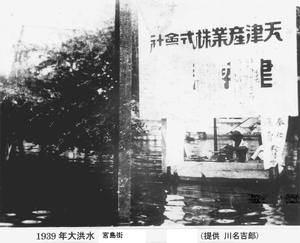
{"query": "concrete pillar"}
(124, 34)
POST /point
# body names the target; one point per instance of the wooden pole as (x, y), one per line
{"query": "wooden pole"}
(215, 135)
(124, 160)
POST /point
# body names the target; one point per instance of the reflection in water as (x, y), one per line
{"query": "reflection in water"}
(39, 191)
(31, 221)
(65, 193)
(232, 202)
(5, 224)
(218, 204)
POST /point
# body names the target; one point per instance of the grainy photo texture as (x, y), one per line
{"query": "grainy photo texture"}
(149, 113)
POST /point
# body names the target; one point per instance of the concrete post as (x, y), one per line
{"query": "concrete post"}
(124, 17)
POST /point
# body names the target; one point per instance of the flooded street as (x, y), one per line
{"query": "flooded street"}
(149, 113)
(40, 192)
(45, 192)
(229, 204)
(225, 202)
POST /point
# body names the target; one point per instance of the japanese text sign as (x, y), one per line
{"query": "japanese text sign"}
(223, 58)
(274, 131)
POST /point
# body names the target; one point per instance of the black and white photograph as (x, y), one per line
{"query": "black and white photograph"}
(172, 113)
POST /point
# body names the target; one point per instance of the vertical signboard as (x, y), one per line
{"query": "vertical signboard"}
(274, 131)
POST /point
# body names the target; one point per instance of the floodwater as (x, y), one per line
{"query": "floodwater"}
(223, 202)
(39, 191)
(47, 192)
(229, 204)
